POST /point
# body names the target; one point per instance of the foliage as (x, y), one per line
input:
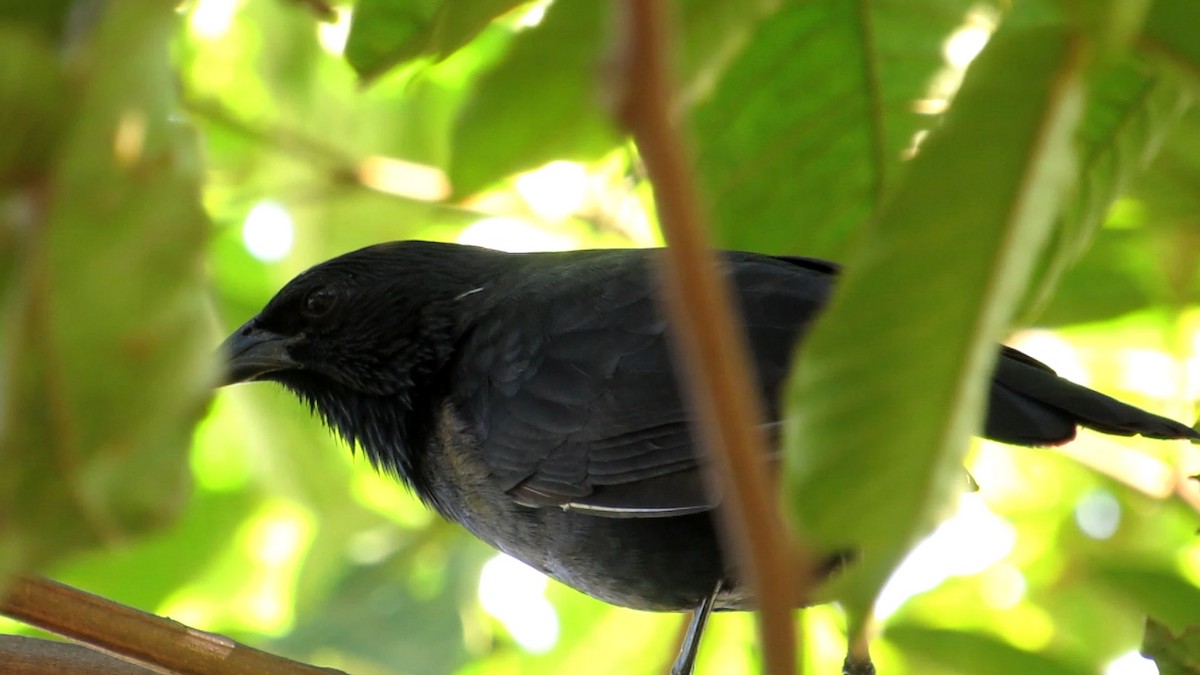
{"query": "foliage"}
(1055, 190)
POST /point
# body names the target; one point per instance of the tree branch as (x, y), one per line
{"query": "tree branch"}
(156, 643)
(35, 656)
(706, 331)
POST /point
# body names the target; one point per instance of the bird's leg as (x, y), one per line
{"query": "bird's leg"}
(858, 657)
(685, 662)
(852, 666)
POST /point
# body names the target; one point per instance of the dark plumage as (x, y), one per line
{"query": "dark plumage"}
(532, 398)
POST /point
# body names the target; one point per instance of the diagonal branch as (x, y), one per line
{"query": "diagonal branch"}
(151, 641)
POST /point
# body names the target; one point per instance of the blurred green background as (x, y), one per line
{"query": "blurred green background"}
(486, 122)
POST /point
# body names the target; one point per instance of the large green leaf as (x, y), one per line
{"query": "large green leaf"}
(105, 356)
(543, 101)
(711, 34)
(889, 387)
(804, 136)
(1169, 30)
(1132, 109)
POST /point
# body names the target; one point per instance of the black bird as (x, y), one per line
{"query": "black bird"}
(533, 399)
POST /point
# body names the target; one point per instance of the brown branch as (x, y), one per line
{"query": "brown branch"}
(153, 642)
(711, 345)
(34, 656)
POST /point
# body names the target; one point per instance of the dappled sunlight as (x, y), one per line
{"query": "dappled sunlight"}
(967, 543)
(958, 50)
(268, 231)
(555, 190)
(1003, 586)
(211, 19)
(515, 595)
(515, 236)
(1149, 372)
(1131, 663)
(275, 542)
(1098, 514)
(219, 459)
(965, 43)
(1123, 461)
(1054, 350)
(385, 495)
(333, 34)
(250, 587)
(404, 178)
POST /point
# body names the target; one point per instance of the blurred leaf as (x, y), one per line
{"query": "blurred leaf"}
(1112, 278)
(1172, 216)
(32, 110)
(909, 336)
(387, 33)
(1131, 111)
(542, 102)
(975, 653)
(50, 18)
(1149, 253)
(378, 615)
(803, 138)
(32, 92)
(1169, 29)
(1160, 593)
(711, 33)
(106, 359)
(1175, 653)
(164, 561)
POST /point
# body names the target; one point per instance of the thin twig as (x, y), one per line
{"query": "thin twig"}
(289, 142)
(712, 348)
(151, 641)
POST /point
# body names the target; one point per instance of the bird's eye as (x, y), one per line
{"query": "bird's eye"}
(319, 302)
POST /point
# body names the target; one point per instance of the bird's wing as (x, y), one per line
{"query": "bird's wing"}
(569, 379)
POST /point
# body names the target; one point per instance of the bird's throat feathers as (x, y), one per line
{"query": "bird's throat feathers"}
(387, 430)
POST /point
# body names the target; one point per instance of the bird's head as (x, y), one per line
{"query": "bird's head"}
(368, 323)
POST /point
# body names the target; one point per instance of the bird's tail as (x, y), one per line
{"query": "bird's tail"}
(1030, 404)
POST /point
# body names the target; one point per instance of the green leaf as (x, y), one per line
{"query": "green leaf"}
(1132, 109)
(974, 653)
(711, 34)
(387, 33)
(543, 101)
(1160, 593)
(1170, 30)
(32, 92)
(50, 18)
(105, 353)
(889, 387)
(1175, 653)
(379, 613)
(804, 136)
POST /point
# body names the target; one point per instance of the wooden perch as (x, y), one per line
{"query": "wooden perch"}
(158, 644)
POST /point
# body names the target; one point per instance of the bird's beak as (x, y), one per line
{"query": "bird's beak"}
(251, 352)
